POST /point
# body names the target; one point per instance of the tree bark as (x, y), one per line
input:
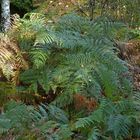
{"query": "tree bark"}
(5, 14)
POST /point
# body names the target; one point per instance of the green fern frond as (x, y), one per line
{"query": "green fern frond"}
(95, 134)
(38, 57)
(119, 125)
(83, 122)
(136, 99)
(4, 125)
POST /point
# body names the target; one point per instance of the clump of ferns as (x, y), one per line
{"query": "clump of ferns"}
(11, 64)
(28, 30)
(76, 55)
(44, 122)
(115, 120)
(111, 120)
(73, 59)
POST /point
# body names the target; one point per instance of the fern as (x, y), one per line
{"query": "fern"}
(71, 53)
(76, 56)
(11, 59)
(38, 57)
(83, 122)
(111, 119)
(50, 121)
(4, 125)
(30, 30)
(120, 126)
(7, 90)
(95, 134)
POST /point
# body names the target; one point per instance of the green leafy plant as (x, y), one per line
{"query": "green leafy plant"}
(114, 120)
(46, 122)
(75, 56)
(26, 4)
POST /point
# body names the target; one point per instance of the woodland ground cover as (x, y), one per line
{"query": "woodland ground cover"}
(76, 78)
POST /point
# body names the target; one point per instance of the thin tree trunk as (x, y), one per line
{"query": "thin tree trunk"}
(5, 14)
(91, 8)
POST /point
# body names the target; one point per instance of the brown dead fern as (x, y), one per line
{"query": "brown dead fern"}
(11, 59)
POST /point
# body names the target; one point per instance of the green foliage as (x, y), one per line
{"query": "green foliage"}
(75, 59)
(24, 121)
(95, 134)
(118, 10)
(116, 120)
(73, 56)
(70, 56)
(135, 33)
(7, 91)
(23, 4)
(16, 119)
(113, 120)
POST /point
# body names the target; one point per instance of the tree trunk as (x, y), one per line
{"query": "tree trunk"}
(5, 14)
(91, 8)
